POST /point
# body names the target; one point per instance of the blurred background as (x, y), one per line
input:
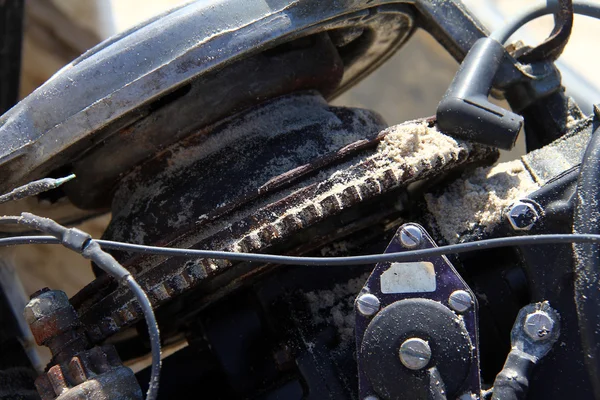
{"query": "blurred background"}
(408, 86)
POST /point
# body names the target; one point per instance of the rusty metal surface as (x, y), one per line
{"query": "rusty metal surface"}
(213, 172)
(77, 370)
(95, 374)
(54, 323)
(265, 210)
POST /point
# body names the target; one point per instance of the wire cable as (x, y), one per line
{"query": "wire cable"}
(409, 255)
(582, 7)
(153, 332)
(34, 188)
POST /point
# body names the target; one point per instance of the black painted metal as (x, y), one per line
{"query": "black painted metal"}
(447, 281)
(587, 261)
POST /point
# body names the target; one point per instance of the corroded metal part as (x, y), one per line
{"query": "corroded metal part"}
(76, 370)
(55, 324)
(260, 180)
(95, 374)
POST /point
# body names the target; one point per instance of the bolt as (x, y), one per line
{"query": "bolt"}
(538, 325)
(371, 398)
(415, 353)
(367, 304)
(460, 301)
(522, 216)
(54, 323)
(39, 292)
(411, 236)
(43, 303)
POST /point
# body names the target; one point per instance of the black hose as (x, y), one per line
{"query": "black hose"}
(587, 257)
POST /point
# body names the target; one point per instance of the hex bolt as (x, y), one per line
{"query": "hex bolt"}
(538, 325)
(43, 303)
(54, 323)
(367, 304)
(415, 353)
(523, 216)
(411, 236)
(460, 301)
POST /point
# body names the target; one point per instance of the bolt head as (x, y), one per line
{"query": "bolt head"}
(539, 325)
(45, 303)
(371, 398)
(367, 304)
(411, 236)
(523, 216)
(460, 301)
(415, 353)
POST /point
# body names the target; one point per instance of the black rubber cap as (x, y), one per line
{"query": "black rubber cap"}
(465, 111)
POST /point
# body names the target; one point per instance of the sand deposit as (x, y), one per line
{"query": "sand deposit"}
(476, 202)
(336, 306)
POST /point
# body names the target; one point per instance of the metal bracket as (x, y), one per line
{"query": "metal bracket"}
(432, 287)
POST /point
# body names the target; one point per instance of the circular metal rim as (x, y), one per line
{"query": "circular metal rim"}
(63, 119)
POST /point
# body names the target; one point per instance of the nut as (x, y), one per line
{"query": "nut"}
(523, 216)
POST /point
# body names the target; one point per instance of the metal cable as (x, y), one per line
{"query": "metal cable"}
(409, 255)
(153, 332)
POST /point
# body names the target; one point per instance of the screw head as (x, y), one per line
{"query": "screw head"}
(367, 304)
(460, 301)
(411, 236)
(538, 325)
(415, 353)
(523, 216)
